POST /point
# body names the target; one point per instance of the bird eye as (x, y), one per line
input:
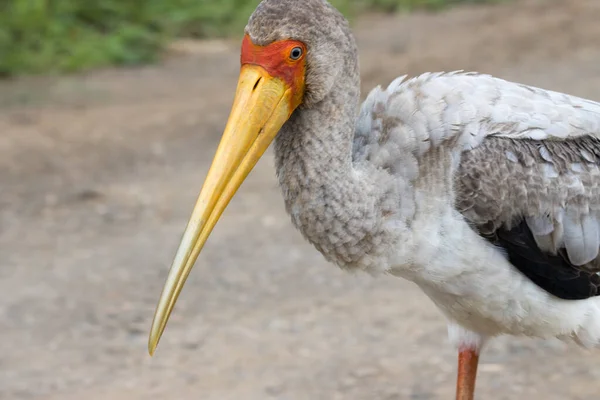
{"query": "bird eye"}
(296, 53)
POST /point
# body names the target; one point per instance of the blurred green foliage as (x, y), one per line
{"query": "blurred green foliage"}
(68, 35)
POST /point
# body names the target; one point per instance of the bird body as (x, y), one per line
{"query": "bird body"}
(407, 203)
(470, 153)
(483, 192)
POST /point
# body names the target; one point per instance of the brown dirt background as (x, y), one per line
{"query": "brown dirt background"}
(98, 174)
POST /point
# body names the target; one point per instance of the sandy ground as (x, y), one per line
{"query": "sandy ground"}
(99, 173)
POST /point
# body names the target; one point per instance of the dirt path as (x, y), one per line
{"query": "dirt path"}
(99, 173)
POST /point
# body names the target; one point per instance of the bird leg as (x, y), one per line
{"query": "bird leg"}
(468, 359)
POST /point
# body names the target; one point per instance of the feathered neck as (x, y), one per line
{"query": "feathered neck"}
(335, 204)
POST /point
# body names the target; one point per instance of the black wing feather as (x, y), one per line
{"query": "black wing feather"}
(553, 273)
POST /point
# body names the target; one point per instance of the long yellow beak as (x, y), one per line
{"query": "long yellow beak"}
(262, 105)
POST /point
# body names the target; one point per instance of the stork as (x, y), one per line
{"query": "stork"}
(483, 192)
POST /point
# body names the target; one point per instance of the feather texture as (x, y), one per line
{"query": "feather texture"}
(468, 107)
(561, 208)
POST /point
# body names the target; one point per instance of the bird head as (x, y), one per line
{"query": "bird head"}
(291, 54)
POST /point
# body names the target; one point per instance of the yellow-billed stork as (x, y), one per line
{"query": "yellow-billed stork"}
(485, 193)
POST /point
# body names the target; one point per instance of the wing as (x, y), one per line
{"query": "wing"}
(539, 200)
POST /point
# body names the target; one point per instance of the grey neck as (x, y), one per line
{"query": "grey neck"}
(317, 142)
(330, 201)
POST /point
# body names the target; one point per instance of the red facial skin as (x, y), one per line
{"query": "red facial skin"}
(275, 59)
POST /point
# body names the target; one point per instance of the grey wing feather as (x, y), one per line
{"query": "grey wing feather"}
(554, 186)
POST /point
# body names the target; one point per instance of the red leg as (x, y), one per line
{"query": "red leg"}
(468, 359)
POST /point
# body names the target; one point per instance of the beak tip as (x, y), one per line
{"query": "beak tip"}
(153, 339)
(152, 344)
